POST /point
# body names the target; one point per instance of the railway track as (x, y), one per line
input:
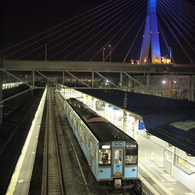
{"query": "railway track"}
(74, 176)
(52, 173)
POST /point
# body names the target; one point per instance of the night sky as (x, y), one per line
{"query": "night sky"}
(22, 19)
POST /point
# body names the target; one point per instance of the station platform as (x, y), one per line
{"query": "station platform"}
(156, 179)
(21, 178)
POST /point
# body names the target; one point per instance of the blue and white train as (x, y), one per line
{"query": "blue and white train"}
(111, 154)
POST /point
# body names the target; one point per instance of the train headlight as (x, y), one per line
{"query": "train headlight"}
(117, 183)
(105, 147)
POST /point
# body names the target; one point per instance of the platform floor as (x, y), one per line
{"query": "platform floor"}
(157, 180)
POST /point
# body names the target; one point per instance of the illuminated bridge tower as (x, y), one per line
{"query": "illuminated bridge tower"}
(151, 38)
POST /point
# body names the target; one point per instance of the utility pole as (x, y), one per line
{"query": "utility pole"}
(103, 54)
(110, 52)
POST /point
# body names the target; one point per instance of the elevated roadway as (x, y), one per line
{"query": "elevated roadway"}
(90, 65)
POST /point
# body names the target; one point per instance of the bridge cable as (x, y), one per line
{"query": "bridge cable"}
(163, 13)
(118, 33)
(77, 25)
(104, 16)
(79, 16)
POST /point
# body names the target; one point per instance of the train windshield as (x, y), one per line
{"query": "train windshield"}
(131, 154)
(105, 155)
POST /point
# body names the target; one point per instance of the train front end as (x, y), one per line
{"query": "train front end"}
(118, 165)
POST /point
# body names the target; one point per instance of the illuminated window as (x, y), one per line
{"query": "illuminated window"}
(131, 154)
(105, 155)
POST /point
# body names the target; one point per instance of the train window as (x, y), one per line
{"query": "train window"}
(75, 122)
(131, 160)
(91, 146)
(118, 157)
(131, 154)
(82, 133)
(104, 157)
(71, 116)
(79, 129)
(85, 138)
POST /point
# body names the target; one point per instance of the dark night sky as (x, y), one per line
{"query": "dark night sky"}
(21, 19)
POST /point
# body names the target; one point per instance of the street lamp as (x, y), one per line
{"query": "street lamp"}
(103, 54)
(110, 51)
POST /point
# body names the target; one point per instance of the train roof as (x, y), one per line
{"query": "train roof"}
(102, 129)
(108, 132)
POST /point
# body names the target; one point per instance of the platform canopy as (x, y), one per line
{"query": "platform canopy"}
(158, 114)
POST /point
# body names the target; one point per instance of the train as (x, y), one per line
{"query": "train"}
(111, 154)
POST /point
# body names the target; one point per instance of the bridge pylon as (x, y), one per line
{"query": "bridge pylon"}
(150, 50)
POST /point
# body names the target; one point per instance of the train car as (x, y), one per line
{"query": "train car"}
(111, 154)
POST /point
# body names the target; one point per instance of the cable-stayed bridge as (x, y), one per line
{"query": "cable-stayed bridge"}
(130, 40)
(114, 31)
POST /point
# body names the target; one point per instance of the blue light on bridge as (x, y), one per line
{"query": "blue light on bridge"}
(152, 3)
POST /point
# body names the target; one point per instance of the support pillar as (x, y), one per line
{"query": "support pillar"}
(92, 80)
(1, 91)
(147, 88)
(33, 82)
(129, 85)
(135, 132)
(172, 161)
(63, 84)
(192, 91)
(124, 121)
(93, 103)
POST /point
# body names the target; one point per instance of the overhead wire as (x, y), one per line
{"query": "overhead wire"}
(120, 18)
(94, 14)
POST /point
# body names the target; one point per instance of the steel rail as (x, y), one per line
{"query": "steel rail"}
(52, 174)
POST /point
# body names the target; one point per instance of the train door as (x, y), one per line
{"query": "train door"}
(118, 161)
(118, 167)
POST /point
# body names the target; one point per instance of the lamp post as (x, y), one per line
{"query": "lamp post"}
(103, 54)
(110, 51)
